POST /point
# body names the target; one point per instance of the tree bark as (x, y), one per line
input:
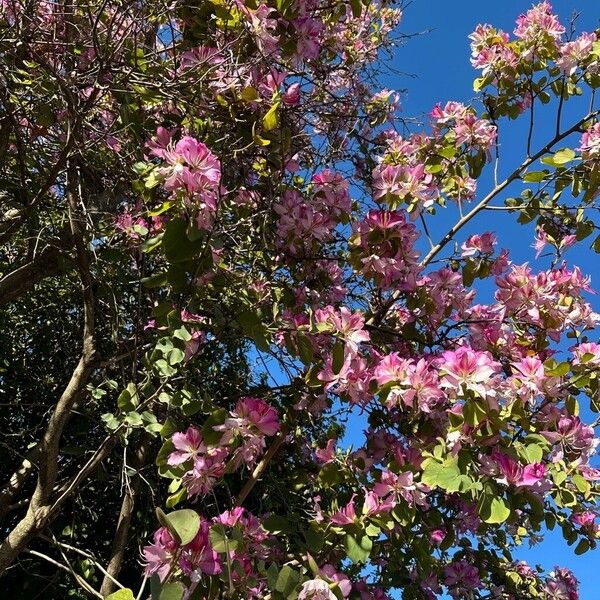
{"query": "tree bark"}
(48, 262)
(40, 509)
(121, 538)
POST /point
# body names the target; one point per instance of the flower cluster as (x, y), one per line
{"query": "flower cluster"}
(383, 249)
(306, 220)
(538, 22)
(242, 442)
(193, 559)
(189, 171)
(198, 558)
(590, 143)
(466, 128)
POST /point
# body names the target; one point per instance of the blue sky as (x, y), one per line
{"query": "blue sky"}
(439, 61)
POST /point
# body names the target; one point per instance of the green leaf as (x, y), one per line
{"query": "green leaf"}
(176, 244)
(172, 591)
(276, 524)
(155, 281)
(338, 356)
(534, 176)
(182, 334)
(447, 152)
(314, 539)
(479, 84)
(287, 581)
(249, 94)
(358, 548)
(270, 119)
(128, 399)
(534, 453)
(492, 509)
(124, 594)
(219, 540)
(444, 475)
(134, 419)
(582, 547)
(209, 435)
(581, 484)
(174, 499)
(563, 156)
(474, 412)
(557, 369)
(356, 6)
(305, 349)
(183, 524)
(176, 356)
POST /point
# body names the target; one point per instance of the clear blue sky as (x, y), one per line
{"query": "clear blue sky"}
(439, 61)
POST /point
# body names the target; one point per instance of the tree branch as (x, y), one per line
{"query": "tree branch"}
(516, 174)
(261, 466)
(39, 512)
(46, 263)
(121, 538)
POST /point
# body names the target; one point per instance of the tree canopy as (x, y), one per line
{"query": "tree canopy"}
(218, 247)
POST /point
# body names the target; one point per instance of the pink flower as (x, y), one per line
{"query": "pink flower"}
(207, 470)
(382, 248)
(537, 21)
(308, 32)
(562, 585)
(327, 454)
(587, 353)
(541, 239)
(374, 505)
(316, 589)
(483, 243)
(348, 325)
(529, 378)
(463, 574)
(399, 486)
(263, 27)
(587, 521)
(189, 170)
(201, 56)
(512, 473)
(291, 96)
(192, 166)
(192, 346)
(469, 368)
(198, 555)
(159, 555)
(385, 181)
(572, 54)
(532, 474)
(341, 579)
(436, 537)
(188, 446)
(475, 132)
(231, 517)
(346, 515)
(404, 182)
(259, 413)
(510, 470)
(590, 143)
(391, 368)
(491, 53)
(451, 111)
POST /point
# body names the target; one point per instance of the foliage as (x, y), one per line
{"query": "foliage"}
(216, 248)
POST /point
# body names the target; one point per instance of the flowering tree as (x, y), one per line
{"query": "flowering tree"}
(220, 247)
